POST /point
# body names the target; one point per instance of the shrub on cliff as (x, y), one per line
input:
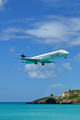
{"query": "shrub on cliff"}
(51, 95)
(75, 96)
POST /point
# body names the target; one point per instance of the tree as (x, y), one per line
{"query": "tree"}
(69, 90)
(72, 90)
(51, 95)
(77, 91)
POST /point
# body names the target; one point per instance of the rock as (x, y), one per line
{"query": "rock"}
(66, 101)
(50, 101)
(55, 100)
(58, 99)
(76, 101)
(47, 100)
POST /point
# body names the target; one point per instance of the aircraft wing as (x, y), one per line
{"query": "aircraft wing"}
(16, 57)
(31, 60)
(28, 59)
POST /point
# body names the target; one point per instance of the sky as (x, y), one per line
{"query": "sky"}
(36, 27)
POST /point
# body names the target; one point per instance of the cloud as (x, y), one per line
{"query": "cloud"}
(54, 30)
(18, 68)
(46, 30)
(12, 49)
(55, 3)
(39, 71)
(54, 86)
(43, 72)
(55, 89)
(60, 69)
(24, 20)
(46, 71)
(2, 2)
(57, 30)
(12, 32)
(62, 3)
(67, 66)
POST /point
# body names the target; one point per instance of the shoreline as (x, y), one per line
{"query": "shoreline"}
(54, 100)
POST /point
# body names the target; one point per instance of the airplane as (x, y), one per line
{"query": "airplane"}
(44, 58)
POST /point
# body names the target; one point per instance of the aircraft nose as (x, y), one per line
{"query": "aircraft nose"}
(67, 52)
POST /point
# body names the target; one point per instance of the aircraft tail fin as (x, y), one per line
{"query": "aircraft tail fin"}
(23, 56)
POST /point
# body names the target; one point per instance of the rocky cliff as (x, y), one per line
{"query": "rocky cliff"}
(55, 100)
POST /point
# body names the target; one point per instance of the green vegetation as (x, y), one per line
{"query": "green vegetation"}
(72, 90)
(75, 96)
(47, 97)
(69, 90)
(65, 97)
(51, 95)
(77, 91)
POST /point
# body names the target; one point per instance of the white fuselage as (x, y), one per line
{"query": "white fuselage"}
(52, 55)
(45, 58)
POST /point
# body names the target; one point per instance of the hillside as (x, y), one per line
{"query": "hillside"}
(55, 100)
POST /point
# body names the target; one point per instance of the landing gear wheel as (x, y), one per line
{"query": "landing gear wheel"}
(36, 63)
(42, 63)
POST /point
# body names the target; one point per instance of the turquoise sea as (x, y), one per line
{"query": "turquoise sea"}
(22, 111)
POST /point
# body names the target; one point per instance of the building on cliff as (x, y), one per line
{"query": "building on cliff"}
(69, 93)
(65, 93)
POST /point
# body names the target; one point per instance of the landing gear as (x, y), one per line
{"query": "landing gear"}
(42, 63)
(36, 63)
(65, 57)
